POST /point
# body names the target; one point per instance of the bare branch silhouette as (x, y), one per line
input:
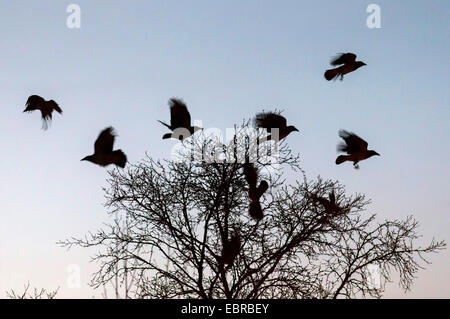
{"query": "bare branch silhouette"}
(189, 233)
(34, 294)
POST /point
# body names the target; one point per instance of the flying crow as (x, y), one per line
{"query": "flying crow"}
(35, 102)
(348, 65)
(103, 150)
(355, 146)
(180, 121)
(272, 120)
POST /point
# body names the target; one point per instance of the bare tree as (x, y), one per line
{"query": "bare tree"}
(123, 280)
(34, 294)
(314, 240)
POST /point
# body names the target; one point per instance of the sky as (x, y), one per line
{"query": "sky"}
(227, 60)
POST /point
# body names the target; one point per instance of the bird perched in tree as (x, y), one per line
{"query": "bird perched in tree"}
(254, 192)
(103, 150)
(231, 249)
(255, 210)
(180, 121)
(35, 102)
(329, 205)
(270, 121)
(355, 146)
(348, 65)
(250, 174)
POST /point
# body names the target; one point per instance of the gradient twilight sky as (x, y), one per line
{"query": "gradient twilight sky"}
(227, 60)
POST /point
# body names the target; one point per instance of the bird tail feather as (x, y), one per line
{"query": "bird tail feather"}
(342, 158)
(120, 158)
(331, 74)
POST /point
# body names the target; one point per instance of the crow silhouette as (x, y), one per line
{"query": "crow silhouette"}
(180, 121)
(231, 249)
(272, 120)
(103, 150)
(35, 102)
(355, 146)
(329, 205)
(254, 192)
(349, 65)
(255, 210)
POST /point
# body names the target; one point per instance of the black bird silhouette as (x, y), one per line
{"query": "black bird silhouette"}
(355, 146)
(180, 121)
(349, 65)
(35, 102)
(231, 249)
(255, 210)
(272, 120)
(329, 205)
(103, 150)
(254, 192)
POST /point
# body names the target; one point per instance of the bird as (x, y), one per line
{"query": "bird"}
(355, 147)
(180, 121)
(273, 120)
(330, 205)
(231, 249)
(250, 174)
(255, 210)
(348, 65)
(103, 150)
(36, 102)
(254, 192)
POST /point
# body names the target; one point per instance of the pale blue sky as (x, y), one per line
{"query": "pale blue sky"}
(227, 60)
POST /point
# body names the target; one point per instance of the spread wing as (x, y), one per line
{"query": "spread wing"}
(54, 106)
(343, 58)
(179, 114)
(33, 102)
(353, 143)
(270, 120)
(105, 141)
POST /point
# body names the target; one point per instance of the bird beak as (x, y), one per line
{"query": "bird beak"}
(83, 159)
(377, 154)
(364, 63)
